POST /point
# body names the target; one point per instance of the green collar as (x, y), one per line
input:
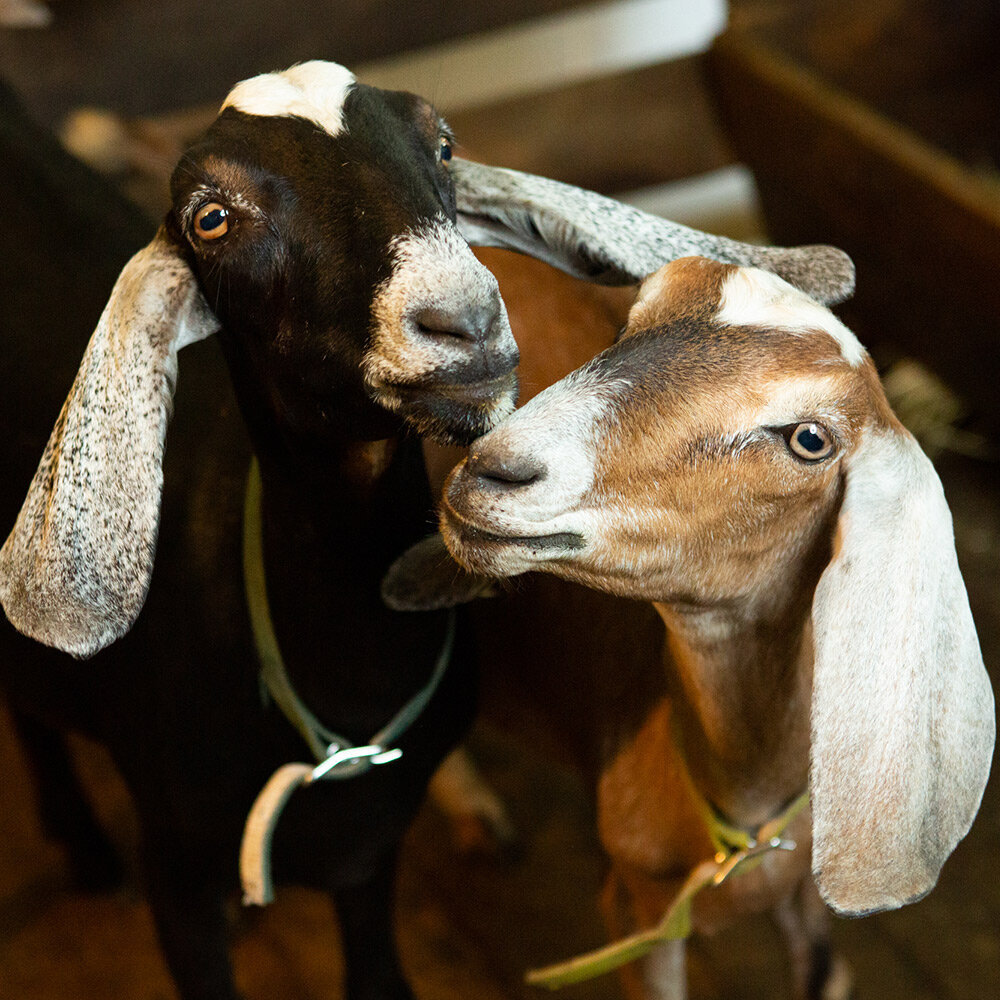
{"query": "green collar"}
(737, 850)
(324, 744)
(335, 757)
(729, 839)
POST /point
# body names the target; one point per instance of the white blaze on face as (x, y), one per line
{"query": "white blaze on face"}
(314, 90)
(432, 269)
(555, 431)
(752, 297)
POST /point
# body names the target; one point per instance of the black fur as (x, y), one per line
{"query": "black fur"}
(177, 701)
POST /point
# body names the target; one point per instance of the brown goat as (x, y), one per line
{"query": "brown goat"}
(732, 459)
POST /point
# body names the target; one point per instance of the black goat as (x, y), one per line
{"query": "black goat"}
(315, 218)
(314, 229)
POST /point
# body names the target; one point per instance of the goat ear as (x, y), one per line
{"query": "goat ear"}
(902, 714)
(426, 578)
(75, 569)
(606, 241)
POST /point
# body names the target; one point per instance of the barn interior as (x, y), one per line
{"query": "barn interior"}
(868, 126)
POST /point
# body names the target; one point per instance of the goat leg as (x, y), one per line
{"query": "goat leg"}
(371, 960)
(65, 813)
(188, 904)
(662, 974)
(817, 972)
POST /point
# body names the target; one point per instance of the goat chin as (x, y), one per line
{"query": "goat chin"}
(453, 414)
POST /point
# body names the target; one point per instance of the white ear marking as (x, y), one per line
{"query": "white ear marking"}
(903, 722)
(75, 569)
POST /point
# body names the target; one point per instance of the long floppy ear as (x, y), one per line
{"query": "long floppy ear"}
(606, 241)
(902, 715)
(75, 569)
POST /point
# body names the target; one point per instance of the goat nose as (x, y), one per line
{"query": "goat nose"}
(473, 324)
(505, 469)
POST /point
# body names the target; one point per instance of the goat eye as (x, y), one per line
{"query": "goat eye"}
(211, 221)
(446, 150)
(810, 442)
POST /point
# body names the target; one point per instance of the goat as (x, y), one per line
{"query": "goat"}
(733, 460)
(313, 229)
(317, 218)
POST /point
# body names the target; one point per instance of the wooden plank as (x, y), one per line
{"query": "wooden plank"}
(545, 53)
(147, 58)
(625, 131)
(922, 229)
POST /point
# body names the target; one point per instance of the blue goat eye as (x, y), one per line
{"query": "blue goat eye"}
(811, 442)
(211, 221)
(446, 150)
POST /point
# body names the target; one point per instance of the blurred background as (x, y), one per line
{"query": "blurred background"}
(872, 126)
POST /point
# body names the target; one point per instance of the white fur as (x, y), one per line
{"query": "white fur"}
(559, 423)
(752, 297)
(74, 571)
(903, 723)
(432, 267)
(312, 90)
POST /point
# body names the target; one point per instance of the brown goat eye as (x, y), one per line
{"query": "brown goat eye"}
(211, 221)
(810, 442)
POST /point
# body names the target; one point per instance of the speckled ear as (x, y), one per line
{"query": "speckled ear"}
(75, 569)
(902, 710)
(609, 242)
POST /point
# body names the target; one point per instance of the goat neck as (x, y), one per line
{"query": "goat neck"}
(331, 535)
(739, 685)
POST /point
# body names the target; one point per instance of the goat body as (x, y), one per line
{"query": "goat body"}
(733, 460)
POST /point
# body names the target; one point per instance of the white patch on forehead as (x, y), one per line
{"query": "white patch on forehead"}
(752, 297)
(312, 90)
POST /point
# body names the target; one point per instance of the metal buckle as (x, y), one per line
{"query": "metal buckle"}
(338, 757)
(730, 864)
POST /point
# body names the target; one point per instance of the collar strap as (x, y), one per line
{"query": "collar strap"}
(729, 839)
(737, 850)
(336, 757)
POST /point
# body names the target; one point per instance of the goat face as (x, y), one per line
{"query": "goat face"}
(674, 466)
(318, 215)
(314, 224)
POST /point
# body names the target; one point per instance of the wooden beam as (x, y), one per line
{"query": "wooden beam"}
(622, 132)
(923, 229)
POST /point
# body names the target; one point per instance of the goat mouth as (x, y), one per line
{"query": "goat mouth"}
(453, 412)
(469, 536)
(488, 392)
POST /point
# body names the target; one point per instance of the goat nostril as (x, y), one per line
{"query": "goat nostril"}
(434, 322)
(505, 469)
(476, 322)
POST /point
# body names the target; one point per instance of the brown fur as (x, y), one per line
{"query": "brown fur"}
(714, 726)
(817, 630)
